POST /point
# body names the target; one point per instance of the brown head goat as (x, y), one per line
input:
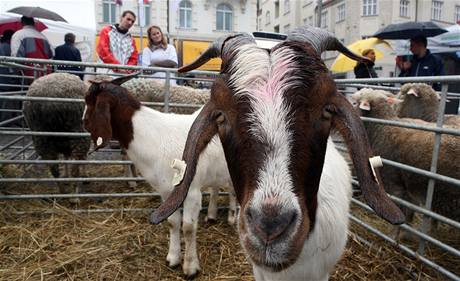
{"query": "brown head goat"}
(273, 111)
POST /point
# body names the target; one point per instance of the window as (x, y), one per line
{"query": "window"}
(287, 6)
(457, 14)
(276, 29)
(185, 14)
(108, 11)
(404, 8)
(277, 9)
(267, 17)
(340, 12)
(305, 21)
(224, 17)
(287, 27)
(369, 7)
(259, 23)
(436, 8)
(310, 20)
(147, 13)
(324, 19)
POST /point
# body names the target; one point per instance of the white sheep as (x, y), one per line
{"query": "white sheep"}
(411, 147)
(420, 101)
(153, 139)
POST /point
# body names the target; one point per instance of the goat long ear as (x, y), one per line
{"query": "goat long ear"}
(201, 133)
(352, 129)
(100, 128)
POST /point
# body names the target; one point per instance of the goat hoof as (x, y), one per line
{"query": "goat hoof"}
(191, 276)
(210, 220)
(172, 262)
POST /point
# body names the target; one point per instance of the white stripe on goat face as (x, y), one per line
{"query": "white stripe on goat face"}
(265, 78)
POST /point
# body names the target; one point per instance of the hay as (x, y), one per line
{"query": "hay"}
(124, 246)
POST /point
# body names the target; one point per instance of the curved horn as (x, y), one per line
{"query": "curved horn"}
(322, 40)
(216, 49)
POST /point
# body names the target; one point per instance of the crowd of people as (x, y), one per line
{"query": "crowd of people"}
(421, 63)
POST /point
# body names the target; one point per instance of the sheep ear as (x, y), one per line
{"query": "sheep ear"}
(120, 80)
(412, 92)
(100, 128)
(393, 100)
(204, 128)
(348, 123)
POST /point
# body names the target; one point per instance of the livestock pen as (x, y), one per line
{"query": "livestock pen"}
(106, 236)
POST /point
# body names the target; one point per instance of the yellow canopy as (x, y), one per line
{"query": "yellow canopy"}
(344, 64)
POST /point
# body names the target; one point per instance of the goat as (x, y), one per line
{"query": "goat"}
(152, 139)
(273, 111)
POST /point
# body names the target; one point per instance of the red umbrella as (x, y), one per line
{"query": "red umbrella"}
(14, 23)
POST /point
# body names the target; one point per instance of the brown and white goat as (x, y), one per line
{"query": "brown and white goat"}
(273, 111)
(152, 140)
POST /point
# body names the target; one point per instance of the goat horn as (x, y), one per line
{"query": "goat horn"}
(322, 40)
(216, 49)
(125, 78)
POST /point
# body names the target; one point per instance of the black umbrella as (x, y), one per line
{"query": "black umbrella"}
(37, 12)
(408, 30)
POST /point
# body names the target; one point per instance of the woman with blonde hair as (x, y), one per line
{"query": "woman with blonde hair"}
(366, 70)
(159, 52)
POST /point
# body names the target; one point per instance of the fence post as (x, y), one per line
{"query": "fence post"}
(434, 165)
(167, 93)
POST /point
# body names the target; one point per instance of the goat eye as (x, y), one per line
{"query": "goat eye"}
(220, 117)
(328, 111)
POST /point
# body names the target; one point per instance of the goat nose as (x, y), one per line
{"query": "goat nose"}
(269, 224)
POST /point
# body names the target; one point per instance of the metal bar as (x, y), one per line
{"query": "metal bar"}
(8, 121)
(455, 132)
(434, 165)
(419, 79)
(167, 93)
(11, 143)
(417, 233)
(407, 250)
(414, 170)
(96, 179)
(24, 148)
(88, 195)
(73, 162)
(35, 133)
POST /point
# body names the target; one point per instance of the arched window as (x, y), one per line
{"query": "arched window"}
(185, 14)
(224, 17)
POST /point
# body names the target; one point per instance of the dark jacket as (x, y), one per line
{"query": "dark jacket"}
(363, 70)
(70, 53)
(428, 65)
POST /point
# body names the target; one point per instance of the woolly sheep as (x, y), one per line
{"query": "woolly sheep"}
(57, 117)
(152, 140)
(152, 90)
(411, 147)
(420, 101)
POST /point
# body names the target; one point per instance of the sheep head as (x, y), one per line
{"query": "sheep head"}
(107, 107)
(273, 111)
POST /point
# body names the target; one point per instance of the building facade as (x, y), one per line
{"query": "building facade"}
(352, 20)
(197, 19)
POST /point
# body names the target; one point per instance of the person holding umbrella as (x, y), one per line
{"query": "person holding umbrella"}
(423, 62)
(366, 69)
